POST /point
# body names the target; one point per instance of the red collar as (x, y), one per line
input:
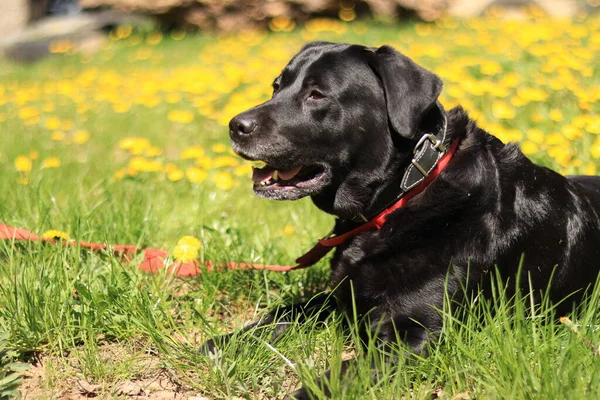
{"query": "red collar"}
(325, 245)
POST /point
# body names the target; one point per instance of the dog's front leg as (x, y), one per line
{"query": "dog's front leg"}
(281, 319)
(416, 338)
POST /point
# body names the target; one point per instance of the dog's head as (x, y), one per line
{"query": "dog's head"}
(342, 121)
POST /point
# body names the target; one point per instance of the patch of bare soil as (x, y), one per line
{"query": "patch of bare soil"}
(53, 378)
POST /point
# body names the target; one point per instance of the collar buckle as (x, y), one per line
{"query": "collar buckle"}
(436, 142)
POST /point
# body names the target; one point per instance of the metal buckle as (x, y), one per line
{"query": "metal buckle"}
(437, 144)
(421, 169)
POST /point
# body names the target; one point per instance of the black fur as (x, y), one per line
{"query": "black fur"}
(355, 113)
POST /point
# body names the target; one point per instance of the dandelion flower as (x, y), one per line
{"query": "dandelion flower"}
(81, 137)
(23, 164)
(223, 180)
(180, 116)
(502, 110)
(190, 241)
(51, 162)
(175, 175)
(195, 174)
(54, 234)
(219, 148)
(192, 152)
(529, 147)
(185, 253)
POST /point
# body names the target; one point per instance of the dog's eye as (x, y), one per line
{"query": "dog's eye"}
(275, 87)
(315, 95)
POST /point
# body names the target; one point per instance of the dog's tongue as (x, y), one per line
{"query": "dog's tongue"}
(289, 173)
(266, 173)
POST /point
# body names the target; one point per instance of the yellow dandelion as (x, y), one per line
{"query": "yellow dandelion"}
(170, 167)
(54, 234)
(154, 38)
(134, 145)
(243, 170)
(490, 68)
(23, 180)
(190, 241)
(535, 135)
(52, 123)
(195, 174)
(57, 136)
(175, 175)
(181, 116)
(173, 98)
(528, 147)
(347, 15)
(28, 112)
(142, 164)
(561, 154)
(80, 137)
(595, 148)
(51, 162)
(185, 253)
(225, 161)
(34, 154)
(223, 180)
(192, 152)
(205, 162)
(590, 169)
(153, 151)
(23, 164)
(502, 110)
(594, 126)
(120, 174)
(555, 115)
(531, 94)
(219, 148)
(288, 230)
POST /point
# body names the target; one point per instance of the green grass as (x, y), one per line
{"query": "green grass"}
(94, 317)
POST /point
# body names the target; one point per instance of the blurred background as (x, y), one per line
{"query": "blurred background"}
(113, 129)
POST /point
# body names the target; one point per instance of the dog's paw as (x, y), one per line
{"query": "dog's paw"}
(209, 347)
(299, 394)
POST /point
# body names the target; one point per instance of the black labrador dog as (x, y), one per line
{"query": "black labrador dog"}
(416, 191)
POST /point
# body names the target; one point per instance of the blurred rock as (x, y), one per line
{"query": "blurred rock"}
(14, 15)
(81, 32)
(238, 14)
(513, 8)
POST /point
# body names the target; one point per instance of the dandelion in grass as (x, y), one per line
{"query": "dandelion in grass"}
(192, 152)
(195, 174)
(55, 234)
(23, 164)
(175, 175)
(80, 137)
(51, 162)
(223, 180)
(185, 253)
(180, 116)
(189, 241)
(219, 148)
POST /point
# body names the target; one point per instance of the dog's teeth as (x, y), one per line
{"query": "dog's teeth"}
(275, 175)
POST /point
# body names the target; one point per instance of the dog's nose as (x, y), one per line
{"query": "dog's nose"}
(242, 125)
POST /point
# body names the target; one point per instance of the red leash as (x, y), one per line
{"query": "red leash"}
(154, 259)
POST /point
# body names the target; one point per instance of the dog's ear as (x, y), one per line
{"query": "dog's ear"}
(410, 90)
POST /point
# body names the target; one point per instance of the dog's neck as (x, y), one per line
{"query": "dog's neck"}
(430, 146)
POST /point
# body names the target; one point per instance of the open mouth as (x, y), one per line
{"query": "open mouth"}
(289, 183)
